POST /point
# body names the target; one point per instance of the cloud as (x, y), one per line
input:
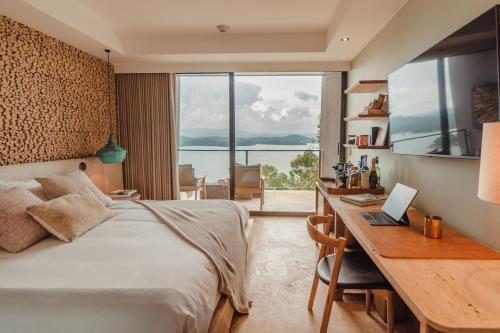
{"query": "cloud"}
(303, 96)
(204, 104)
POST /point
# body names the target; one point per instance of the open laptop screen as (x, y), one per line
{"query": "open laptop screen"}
(398, 201)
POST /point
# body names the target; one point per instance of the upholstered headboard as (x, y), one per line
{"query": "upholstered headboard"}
(105, 177)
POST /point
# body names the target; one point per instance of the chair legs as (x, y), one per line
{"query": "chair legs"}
(327, 311)
(390, 311)
(312, 295)
(368, 301)
(389, 295)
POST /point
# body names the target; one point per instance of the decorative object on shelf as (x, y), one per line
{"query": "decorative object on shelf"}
(373, 137)
(489, 172)
(382, 135)
(433, 227)
(111, 153)
(328, 184)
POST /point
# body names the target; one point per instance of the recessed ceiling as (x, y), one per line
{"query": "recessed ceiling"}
(181, 35)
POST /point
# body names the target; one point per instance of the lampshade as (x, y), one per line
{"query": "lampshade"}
(111, 153)
(489, 172)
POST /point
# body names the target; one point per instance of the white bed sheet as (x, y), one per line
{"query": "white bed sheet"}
(129, 274)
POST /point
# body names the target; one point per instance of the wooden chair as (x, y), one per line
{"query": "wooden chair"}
(188, 181)
(249, 182)
(344, 270)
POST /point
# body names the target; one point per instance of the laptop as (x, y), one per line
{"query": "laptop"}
(394, 209)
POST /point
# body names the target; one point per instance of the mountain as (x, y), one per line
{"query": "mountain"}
(224, 132)
(218, 141)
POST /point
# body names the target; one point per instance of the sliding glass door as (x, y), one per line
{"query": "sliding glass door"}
(277, 131)
(203, 134)
(253, 137)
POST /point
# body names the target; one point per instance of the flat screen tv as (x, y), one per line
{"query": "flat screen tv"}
(439, 101)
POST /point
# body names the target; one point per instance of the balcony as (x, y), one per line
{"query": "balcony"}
(288, 174)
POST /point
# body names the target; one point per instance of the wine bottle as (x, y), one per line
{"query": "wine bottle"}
(373, 175)
(377, 168)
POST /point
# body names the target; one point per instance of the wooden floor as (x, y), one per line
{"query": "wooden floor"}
(280, 276)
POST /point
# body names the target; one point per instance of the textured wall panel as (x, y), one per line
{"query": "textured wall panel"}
(53, 98)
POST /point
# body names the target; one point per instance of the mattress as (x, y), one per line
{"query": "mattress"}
(129, 274)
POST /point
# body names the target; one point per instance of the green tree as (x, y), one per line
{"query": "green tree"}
(304, 171)
(275, 180)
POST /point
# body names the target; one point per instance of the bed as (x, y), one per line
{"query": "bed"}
(129, 274)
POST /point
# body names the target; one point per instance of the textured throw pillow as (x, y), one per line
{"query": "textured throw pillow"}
(56, 186)
(18, 230)
(30, 184)
(71, 215)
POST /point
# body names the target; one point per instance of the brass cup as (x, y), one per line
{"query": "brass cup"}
(433, 227)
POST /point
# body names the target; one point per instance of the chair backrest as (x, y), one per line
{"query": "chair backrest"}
(247, 175)
(326, 242)
(186, 175)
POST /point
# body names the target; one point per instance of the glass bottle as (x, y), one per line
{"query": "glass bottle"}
(373, 175)
(377, 168)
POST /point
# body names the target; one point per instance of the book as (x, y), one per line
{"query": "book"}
(123, 192)
(365, 199)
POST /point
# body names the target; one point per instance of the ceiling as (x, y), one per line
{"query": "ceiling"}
(181, 35)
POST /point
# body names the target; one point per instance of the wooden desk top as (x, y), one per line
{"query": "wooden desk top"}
(450, 295)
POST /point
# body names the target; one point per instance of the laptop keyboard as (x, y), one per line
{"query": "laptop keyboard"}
(378, 218)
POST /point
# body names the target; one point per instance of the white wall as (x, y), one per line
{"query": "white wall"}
(448, 187)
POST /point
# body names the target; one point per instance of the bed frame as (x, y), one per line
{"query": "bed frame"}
(223, 314)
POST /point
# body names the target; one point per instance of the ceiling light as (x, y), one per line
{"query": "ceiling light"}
(344, 39)
(223, 28)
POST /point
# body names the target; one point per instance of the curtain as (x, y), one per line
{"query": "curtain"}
(330, 122)
(147, 130)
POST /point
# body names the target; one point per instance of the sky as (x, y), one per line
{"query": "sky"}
(267, 105)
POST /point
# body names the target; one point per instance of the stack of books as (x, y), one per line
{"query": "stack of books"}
(122, 194)
(365, 199)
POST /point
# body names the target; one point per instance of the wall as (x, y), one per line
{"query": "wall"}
(53, 98)
(448, 187)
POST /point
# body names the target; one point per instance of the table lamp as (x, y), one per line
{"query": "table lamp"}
(489, 171)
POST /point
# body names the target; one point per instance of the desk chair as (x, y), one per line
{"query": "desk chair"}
(344, 270)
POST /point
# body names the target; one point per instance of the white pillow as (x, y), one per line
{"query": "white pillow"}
(29, 184)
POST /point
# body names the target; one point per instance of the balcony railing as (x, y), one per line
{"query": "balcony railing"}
(216, 165)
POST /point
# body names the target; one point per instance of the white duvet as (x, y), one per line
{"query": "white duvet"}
(129, 274)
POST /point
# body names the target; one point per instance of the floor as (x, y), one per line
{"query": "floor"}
(280, 276)
(296, 201)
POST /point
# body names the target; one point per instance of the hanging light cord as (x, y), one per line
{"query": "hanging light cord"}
(109, 99)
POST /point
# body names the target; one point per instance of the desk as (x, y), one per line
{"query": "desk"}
(448, 295)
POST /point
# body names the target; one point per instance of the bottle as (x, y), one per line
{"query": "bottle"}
(354, 178)
(373, 175)
(377, 168)
(365, 174)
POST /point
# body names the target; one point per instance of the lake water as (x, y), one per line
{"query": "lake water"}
(215, 164)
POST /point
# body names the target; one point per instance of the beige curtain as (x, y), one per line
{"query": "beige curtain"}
(147, 130)
(330, 122)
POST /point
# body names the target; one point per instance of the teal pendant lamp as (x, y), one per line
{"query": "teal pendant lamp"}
(111, 153)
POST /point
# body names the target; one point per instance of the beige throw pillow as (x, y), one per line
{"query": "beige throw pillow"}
(18, 230)
(56, 186)
(72, 215)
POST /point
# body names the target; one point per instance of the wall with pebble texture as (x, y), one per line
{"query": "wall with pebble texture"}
(53, 98)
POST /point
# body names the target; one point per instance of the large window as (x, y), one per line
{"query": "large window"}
(276, 124)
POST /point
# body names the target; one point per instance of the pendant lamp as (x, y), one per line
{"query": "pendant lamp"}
(111, 153)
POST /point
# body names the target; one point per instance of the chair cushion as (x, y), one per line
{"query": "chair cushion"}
(356, 272)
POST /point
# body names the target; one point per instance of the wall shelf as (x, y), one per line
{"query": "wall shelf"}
(366, 86)
(361, 116)
(365, 147)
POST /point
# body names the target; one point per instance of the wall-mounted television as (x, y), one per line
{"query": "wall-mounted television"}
(439, 101)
